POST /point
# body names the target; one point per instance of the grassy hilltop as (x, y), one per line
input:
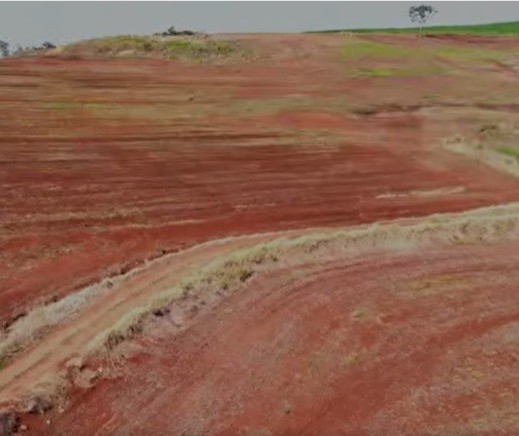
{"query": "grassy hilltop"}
(503, 29)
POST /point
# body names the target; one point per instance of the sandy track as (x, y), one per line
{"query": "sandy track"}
(74, 337)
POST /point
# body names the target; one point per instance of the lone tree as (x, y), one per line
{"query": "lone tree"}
(4, 48)
(421, 14)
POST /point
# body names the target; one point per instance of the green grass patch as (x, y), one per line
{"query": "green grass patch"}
(491, 29)
(382, 72)
(509, 151)
(360, 50)
(376, 59)
(455, 53)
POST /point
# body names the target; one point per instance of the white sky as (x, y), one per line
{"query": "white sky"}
(30, 23)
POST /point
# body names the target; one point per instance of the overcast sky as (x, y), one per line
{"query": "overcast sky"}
(34, 22)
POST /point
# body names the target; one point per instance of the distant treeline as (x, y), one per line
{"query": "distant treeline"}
(5, 48)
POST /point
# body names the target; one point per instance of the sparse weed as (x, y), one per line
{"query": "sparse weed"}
(488, 128)
(410, 70)
(360, 49)
(509, 151)
(245, 274)
(351, 359)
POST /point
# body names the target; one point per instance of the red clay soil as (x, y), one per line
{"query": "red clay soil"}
(85, 195)
(106, 163)
(416, 342)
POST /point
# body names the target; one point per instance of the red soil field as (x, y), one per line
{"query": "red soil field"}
(421, 342)
(87, 194)
(106, 164)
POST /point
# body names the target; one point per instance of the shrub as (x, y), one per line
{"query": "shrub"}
(4, 48)
(173, 32)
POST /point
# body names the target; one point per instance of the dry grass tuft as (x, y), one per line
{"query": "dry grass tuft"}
(493, 145)
(33, 326)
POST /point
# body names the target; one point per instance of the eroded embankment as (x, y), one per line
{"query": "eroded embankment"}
(420, 342)
(407, 342)
(221, 268)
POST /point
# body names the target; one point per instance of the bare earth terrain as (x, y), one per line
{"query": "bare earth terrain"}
(297, 239)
